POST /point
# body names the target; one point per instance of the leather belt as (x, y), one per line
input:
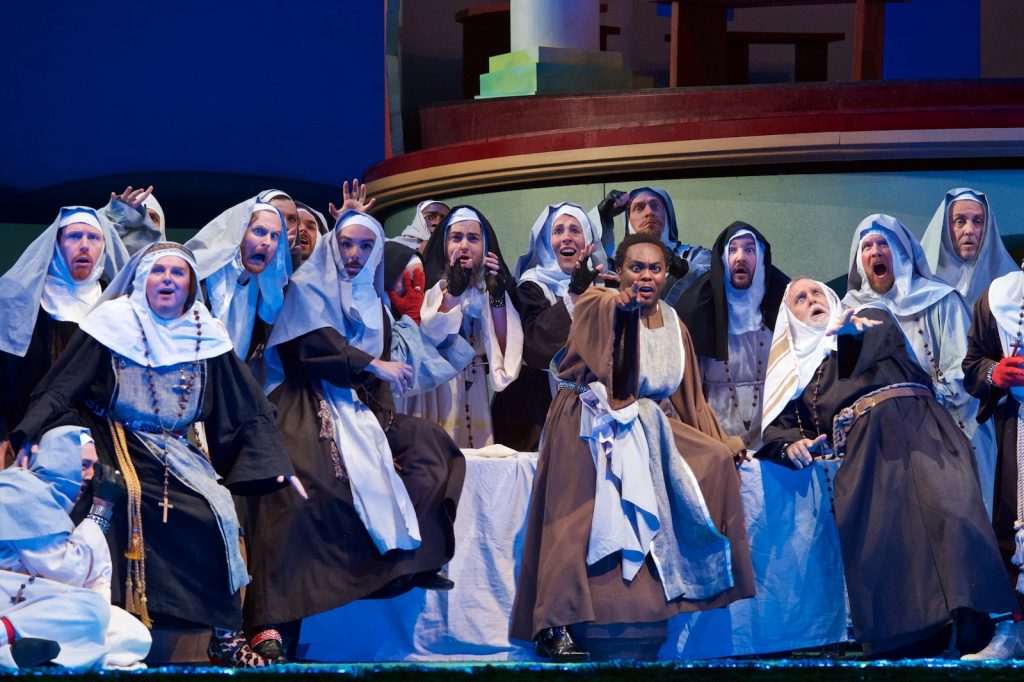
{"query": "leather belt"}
(848, 416)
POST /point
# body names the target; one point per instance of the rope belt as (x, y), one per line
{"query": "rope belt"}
(848, 416)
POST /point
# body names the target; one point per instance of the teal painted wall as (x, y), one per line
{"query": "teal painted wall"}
(807, 218)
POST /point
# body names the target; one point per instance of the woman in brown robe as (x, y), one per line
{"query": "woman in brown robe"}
(699, 557)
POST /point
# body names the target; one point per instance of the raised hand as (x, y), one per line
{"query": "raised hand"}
(457, 276)
(613, 204)
(850, 324)
(495, 277)
(354, 200)
(582, 276)
(133, 197)
(410, 300)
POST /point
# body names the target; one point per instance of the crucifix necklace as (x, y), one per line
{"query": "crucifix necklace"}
(184, 388)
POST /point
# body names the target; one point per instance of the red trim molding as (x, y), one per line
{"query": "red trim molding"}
(519, 141)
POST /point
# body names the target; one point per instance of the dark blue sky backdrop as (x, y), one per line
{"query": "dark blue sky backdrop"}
(290, 89)
(933, 39)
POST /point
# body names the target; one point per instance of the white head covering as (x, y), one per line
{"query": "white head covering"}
(124, 312)
(23, 289)
(65, 298)
(540, 264)
(322, 294)
(152, 203)
(321, 221)
(37, 501)
(1005, 297)
(797, 350)
(970, 278)
(915, 288)
(417, 232)
(745, 304)
(233, 299)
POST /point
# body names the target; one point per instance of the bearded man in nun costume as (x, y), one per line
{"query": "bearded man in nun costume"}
(137, 216)
(994, 373)
(148, 362)
(917, 548)
(888, 269)
(563, 260)
(312, 224)
(384, 486)
(731, 311)
(54, 576)
(469, 314)
(649, 210)
(244, 266)
(44, 296)
(425, 219)
(635, 517)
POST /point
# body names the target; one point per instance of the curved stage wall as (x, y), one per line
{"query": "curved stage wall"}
(803, 163)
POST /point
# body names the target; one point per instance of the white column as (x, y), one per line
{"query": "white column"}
(555, 23)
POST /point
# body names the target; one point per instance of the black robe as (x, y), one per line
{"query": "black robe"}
(21, 374)
(520, 410)
(704, 309)
(984, 350)
(310, 557)
(913, 530)
(186, 569)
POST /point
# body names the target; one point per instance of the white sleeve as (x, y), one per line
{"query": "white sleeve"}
(436, 325)
(504, 366)
(80, 558)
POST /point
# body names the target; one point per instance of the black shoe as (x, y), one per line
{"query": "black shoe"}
(28, 652)
(557, 644)
(432, 580)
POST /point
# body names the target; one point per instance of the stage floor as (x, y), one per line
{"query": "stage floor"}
(712, 671)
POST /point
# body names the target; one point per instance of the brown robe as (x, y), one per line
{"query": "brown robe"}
(556, 587)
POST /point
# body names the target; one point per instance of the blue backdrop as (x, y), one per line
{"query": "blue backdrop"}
(189, 95)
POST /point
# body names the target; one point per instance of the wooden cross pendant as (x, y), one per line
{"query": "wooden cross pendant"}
(166, 505)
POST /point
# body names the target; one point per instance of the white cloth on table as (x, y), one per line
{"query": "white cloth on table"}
(800, 601)
(800, 598)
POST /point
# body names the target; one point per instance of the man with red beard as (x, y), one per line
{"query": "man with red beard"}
(730, 311)
(44, 296)
(888, 270)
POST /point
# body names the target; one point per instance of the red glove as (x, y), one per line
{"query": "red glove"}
(1008, 372)
(410, 302)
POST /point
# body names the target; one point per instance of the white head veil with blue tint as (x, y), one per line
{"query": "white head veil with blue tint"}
(323, 294)
(65, 298)
(540, 263)
(744, 305)
(970, 278)
(417, 232)
(915, 288)
(124, 310)
(24, 288)
(217, 249)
